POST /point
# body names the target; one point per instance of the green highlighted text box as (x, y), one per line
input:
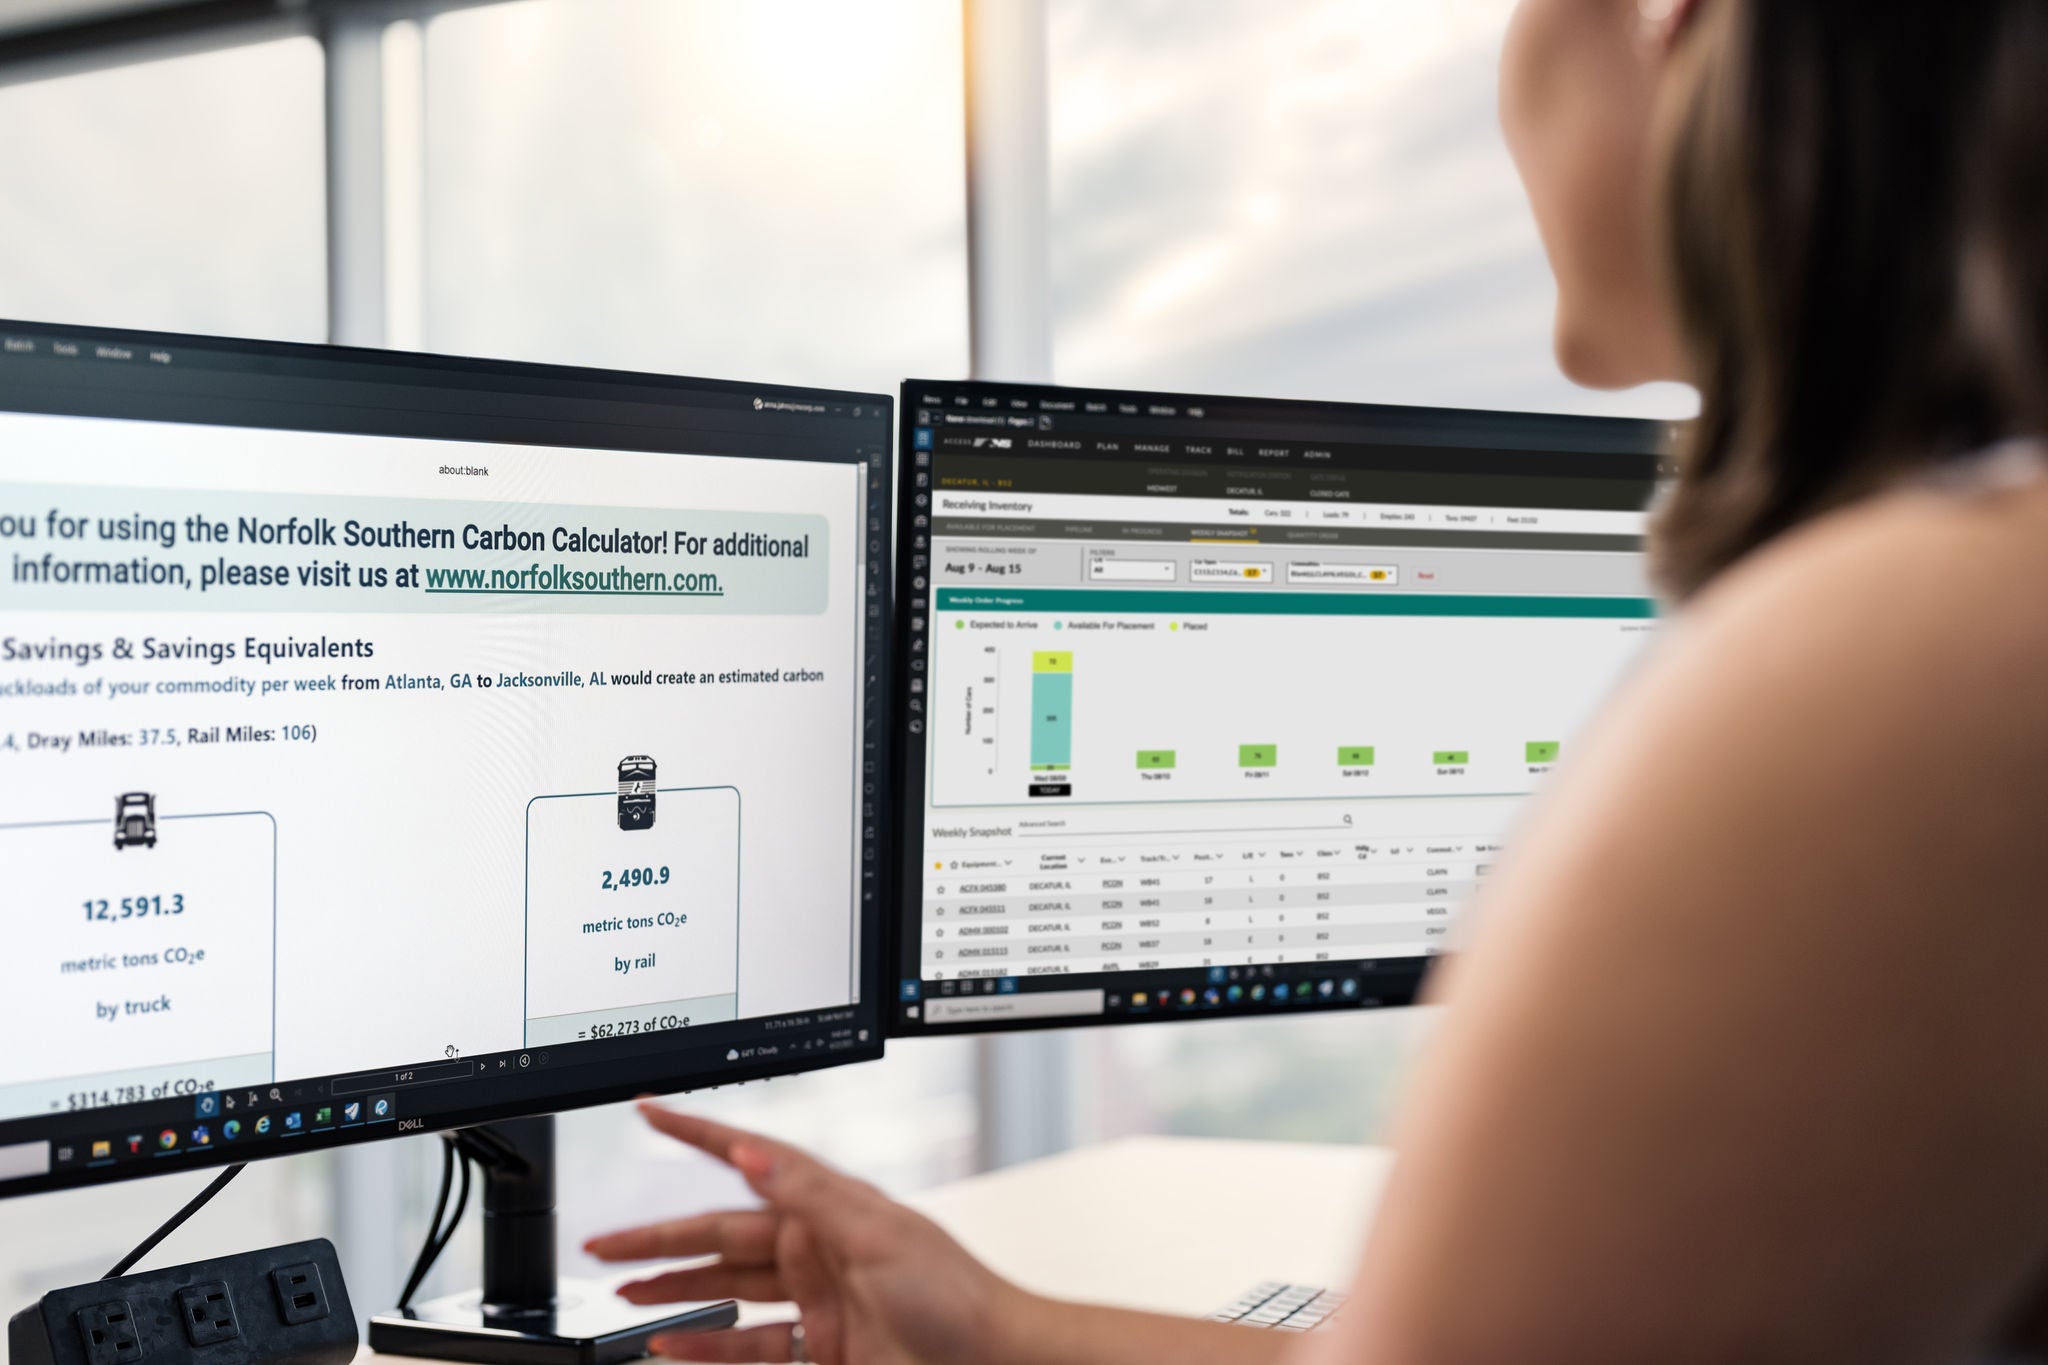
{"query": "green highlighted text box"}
(1153, 760)
(141, 549)
(1453, 758)
(1356, 756)
(1258, 755)
(1541, 751)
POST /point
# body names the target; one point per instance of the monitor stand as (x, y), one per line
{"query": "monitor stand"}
(524, 1315)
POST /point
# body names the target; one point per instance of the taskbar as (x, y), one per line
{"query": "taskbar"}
(1083, 999)
(208, 1127)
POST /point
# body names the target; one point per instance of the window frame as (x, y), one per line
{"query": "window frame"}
(1025, 1086)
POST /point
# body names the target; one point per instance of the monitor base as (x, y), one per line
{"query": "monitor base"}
(588, 1326)
(524, 1315)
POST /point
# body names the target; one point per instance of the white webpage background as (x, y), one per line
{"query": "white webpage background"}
(401, 831)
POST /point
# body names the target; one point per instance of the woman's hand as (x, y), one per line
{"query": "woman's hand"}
(876, 1284)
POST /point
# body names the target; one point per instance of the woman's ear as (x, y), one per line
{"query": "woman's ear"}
(1663, 21)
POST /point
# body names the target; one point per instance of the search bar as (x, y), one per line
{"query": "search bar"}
(985, 1009)
(1341, 823)
(24, 1159)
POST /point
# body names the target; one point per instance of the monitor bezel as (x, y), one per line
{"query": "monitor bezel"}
(269, 360)
(1393, 984)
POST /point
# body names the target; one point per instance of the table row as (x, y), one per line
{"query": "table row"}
(1195, 902)
(1370, 940)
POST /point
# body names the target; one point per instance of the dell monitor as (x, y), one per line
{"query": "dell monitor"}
(1222, 706)
(394, 743)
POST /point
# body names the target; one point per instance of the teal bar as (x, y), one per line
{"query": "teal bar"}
(1239, 603)
(1052, 720)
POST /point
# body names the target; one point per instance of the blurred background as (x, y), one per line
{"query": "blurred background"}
(1297, 198)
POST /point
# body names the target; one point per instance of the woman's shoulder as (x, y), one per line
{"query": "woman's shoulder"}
(1942, 580)
(1883, 665)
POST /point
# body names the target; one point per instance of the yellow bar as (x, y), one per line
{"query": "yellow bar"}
(1052, 661)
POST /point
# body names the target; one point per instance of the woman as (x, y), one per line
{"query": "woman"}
(1746, 1061)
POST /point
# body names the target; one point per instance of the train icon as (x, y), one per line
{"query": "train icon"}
(636, 792)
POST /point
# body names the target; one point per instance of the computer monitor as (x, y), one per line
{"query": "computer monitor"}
(391, 742)
(1223, 706)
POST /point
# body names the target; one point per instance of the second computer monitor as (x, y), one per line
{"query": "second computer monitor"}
(1221, 705)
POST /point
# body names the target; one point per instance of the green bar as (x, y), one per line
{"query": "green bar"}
(1541, 751)
(1240, 603)
(1355, 756)
(1257, 755)
(1453, 758)
(1048, 767)
(1052, 661)
(1155, 758)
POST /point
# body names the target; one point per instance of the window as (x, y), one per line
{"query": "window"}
(773, 192)
(767, 192)
(1335, 218)
(1301, 198)
(1320, 1078)
(1298, 198)
(184, 194)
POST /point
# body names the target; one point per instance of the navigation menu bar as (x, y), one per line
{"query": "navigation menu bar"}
(1228, 514)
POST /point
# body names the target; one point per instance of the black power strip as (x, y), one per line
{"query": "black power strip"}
(282, 1306)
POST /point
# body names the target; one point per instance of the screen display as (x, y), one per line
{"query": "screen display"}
(1218, 705)
(389, 742)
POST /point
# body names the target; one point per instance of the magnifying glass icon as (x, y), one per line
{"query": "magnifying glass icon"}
(1347, 818)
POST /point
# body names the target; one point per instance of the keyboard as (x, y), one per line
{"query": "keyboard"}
(1284, 1307)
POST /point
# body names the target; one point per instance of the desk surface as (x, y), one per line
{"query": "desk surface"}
(1174, 1225)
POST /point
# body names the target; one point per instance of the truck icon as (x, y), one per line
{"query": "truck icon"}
(135, 819)
(636, 792)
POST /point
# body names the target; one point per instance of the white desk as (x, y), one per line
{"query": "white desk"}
(1174, 1225)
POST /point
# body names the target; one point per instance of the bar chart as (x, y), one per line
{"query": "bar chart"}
(1052, 711)
(1138, 706)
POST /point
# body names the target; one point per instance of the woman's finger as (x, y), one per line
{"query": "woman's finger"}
(739, 1238)
(713, 1139)
(766, 1345)
(832, 1202)
(782, 1174)
(699, 1284)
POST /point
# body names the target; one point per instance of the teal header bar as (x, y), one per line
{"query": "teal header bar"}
(1253, 602)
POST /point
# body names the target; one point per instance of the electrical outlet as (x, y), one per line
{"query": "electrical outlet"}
(284, 1305)
(208, 1312)
(109, 1333)
(300, 1295)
